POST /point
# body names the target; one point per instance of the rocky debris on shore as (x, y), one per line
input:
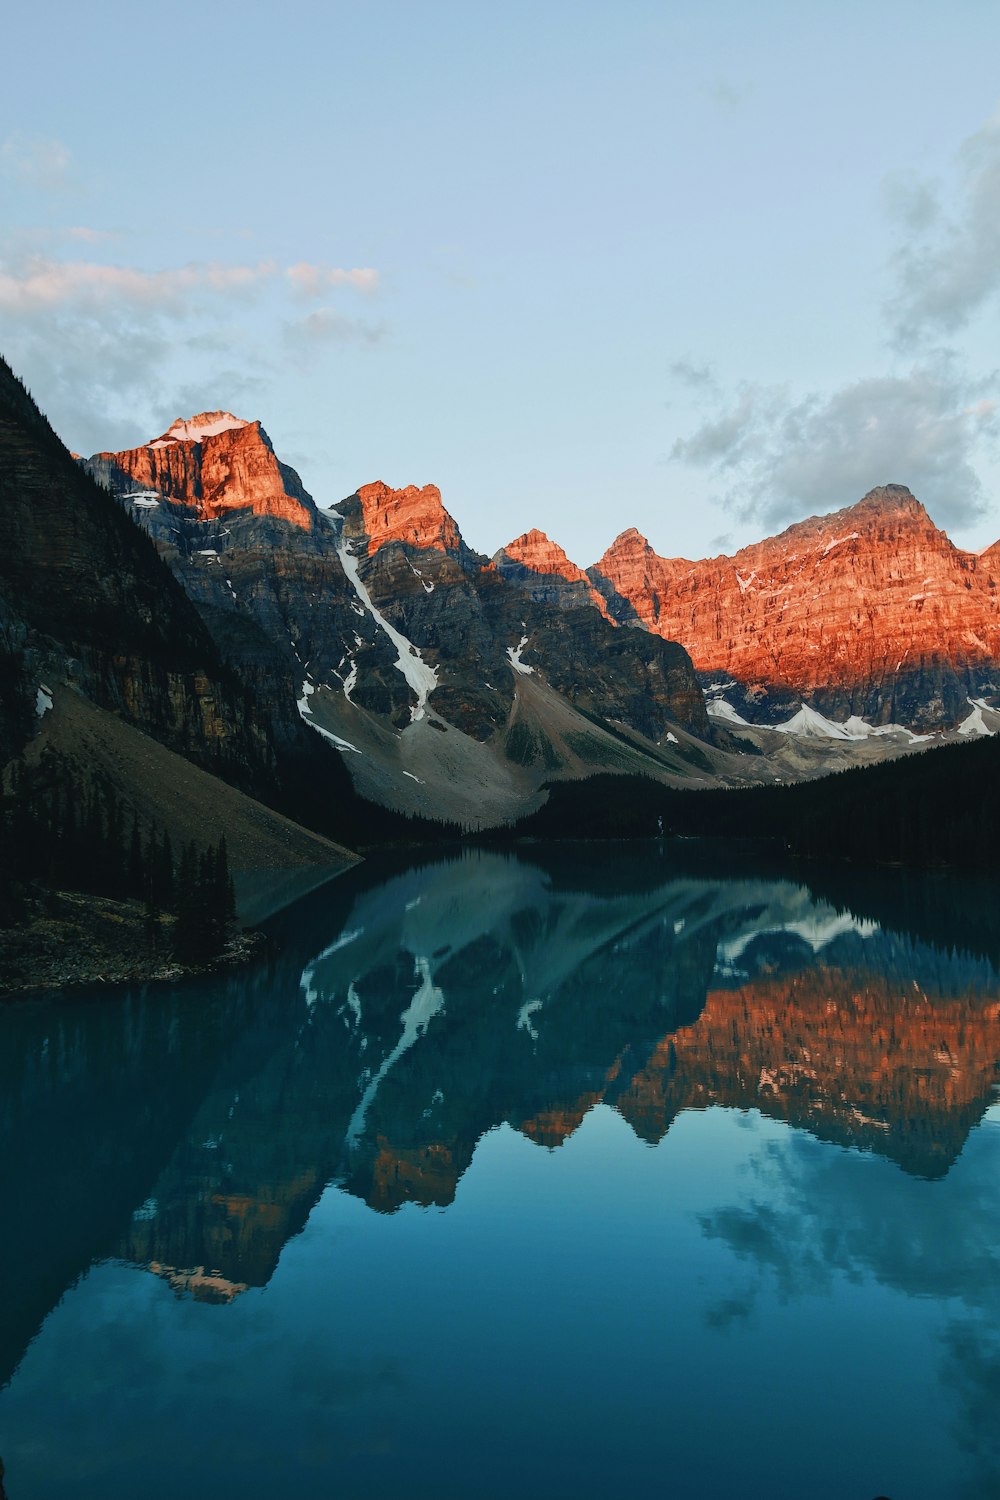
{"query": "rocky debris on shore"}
(69, 939)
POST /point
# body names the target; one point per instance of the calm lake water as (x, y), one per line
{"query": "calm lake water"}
(588, 1172)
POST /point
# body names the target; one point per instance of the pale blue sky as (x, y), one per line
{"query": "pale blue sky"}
(700, 268)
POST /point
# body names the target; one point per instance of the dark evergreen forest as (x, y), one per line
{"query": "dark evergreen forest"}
(59, 832)
(939, 807)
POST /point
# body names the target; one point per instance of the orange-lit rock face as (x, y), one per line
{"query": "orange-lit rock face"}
(216, 463)
(855, 597)
(411, 515)
(535, 553)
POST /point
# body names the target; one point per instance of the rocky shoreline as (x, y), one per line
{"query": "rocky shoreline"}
(71, 940)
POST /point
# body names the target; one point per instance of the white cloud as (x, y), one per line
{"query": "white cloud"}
(779, 455)
(41, 283)
(696, 376)
(114, 352)
(89, 236)
(309, 280)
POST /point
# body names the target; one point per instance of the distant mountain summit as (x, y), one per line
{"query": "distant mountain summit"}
(871, 611)
(412, 515)
(541, 568)
(213, 463)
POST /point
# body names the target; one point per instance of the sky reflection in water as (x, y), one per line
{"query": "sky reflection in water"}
(560, 1175)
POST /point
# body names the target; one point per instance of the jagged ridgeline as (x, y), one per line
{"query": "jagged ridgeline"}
(446, 682)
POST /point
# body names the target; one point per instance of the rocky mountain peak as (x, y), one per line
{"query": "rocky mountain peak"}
(415, 515)
(540, 566)
(629, 551)
(213, 463)
(884, 502)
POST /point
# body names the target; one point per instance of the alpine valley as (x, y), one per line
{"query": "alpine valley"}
(455, 686)
(185, 609)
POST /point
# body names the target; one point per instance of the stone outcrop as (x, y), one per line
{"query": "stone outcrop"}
(541, 568)
(869, 611)
(214, 464)
(411, 515)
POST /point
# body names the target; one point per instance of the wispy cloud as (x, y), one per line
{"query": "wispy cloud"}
(90, 236)
(777, 460)
(947, 267)
(326, 325)
(729, 92)
(308, 280)
(778, 455)
(698, 377)
(45, 283)
(39, 281)
(35, 161)
(116, 350)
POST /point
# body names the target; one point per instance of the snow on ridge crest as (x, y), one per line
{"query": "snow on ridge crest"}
(194, 429)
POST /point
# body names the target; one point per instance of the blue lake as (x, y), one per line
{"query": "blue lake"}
(586, 1172)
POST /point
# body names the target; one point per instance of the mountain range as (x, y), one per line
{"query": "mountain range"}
(328, 661)
(456, 685)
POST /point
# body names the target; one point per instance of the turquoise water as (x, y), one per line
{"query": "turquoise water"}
(576, 1174)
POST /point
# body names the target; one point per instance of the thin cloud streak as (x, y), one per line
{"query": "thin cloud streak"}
(43, 282)
(312, 281)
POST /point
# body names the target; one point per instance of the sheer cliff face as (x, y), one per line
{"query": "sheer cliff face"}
(216, 463)
(871, 610)
(541, 568)
(84, 599)
(411, 515)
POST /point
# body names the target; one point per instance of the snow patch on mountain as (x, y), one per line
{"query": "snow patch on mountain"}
(194, 429)
(810, 725)
(975, 723)
(421, 677)
(306, 714)
(514, 657)
(718, 708)
(839, 541)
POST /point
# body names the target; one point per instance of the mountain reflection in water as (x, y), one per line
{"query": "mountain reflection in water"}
(403, 1017)
(408, 1011)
